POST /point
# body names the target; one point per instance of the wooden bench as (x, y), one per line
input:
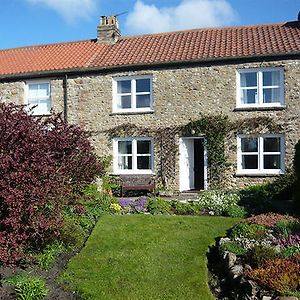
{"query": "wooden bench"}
(137, 183)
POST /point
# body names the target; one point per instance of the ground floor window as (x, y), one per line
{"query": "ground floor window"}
(262, 154)
(133, 155)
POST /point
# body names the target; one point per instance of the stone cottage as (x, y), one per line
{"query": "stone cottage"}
(137, 94)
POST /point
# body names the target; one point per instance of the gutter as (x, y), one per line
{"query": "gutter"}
(156, 65)
(65, 88)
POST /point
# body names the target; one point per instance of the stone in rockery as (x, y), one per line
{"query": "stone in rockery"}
(236, 271)
(230, 259)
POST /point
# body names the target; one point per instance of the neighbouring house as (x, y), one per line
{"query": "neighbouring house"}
(135, 93)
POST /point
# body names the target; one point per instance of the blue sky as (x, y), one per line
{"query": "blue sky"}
(27, 22)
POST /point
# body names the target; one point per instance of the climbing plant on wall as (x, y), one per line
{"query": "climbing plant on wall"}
(165, 143)
(217, 130)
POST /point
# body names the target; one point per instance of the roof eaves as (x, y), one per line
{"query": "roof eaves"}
(73, 71)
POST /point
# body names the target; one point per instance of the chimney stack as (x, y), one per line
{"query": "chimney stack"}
(108, 30)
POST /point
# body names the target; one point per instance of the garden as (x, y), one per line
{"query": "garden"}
(63, 238)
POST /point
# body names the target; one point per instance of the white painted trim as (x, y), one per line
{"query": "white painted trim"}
(133, 94)
(259, 87)
(134, 169)
(181, 140)
(38, 81)
(260, 153)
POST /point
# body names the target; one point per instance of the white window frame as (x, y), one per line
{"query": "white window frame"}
(27, 100)
(259, 101)
(133, 94)
(134, 170)
(260, 170)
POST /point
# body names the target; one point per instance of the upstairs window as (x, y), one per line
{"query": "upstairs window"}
(133, 156)
(261, 154)
(132, 94)
(260, 88)
(38, 97)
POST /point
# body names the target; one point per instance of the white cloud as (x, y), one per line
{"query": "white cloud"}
(188, 14)
(69, 9)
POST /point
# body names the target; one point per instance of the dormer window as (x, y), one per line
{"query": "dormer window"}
(132, 94)
(260, 88)
(38, 97)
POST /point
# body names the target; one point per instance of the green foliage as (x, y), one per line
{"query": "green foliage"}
(256, 199)
(180, 208)
(262, 198)
(98, 205)
(159, 206)
(250, 231)
(218, 201)
(290, 251)
(281, 275)
(48, 255)
(111, 185)
(95, 204)
(235, 211)
(27, 287)
(287, 228)
(282, 187)
(259, 254)
(233, 247)
(214, 128)
(72, 233)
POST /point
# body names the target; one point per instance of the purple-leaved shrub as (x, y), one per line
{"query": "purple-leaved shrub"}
(43, 164)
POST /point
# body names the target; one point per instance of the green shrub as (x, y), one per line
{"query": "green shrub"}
(71, 233)
(250, 231)
(159, 206)
(111, 185)
(256, 199)
(259, 254)
(49, 254)
(180, 208)
(290, 251)
(281, 275)
(28, 287)
(96, 203)
(233, 247)
(218, 201)
(282, 187)
(287, 228)
(235, 211)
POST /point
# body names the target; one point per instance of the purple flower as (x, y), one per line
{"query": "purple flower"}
(140, 204)
(131, 205)
(291, 240)
(126, 203)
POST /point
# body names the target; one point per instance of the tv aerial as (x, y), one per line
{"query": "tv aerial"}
(121, 13)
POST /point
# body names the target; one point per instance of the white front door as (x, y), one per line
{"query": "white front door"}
(186, 164)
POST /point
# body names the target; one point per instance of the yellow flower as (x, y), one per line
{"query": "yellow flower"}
(115, 207)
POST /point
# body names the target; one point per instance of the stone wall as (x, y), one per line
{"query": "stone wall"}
(180, 94)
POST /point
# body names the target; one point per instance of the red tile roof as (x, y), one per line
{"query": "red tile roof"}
(181, 46)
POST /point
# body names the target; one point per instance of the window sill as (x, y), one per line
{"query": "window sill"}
(116, 113)
(259, 108)
(41, 115)
(258, 174)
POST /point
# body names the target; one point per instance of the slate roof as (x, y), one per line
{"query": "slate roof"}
(193, 45)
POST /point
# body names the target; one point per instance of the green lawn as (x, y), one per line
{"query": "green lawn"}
(146, 257)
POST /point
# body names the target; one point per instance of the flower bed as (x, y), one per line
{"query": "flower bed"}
(262, 256)
(207, 203)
